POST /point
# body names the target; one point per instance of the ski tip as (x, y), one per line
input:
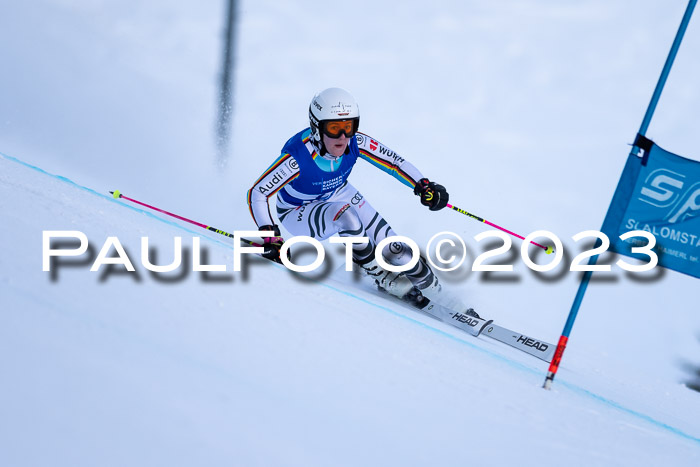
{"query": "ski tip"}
(116, 194)
(549, 249)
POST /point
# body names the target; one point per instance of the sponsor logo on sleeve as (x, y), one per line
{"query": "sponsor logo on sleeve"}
(270, 184)
(386, 151)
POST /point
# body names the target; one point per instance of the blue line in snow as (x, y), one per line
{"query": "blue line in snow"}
(519, 366)
(111, 198)
(525, 368)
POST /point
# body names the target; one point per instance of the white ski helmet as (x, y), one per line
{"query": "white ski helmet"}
(332, 104)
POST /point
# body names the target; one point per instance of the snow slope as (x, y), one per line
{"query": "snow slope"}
(537, 100)
(116, 368)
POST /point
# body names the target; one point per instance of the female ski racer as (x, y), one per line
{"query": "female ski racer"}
(314, 197)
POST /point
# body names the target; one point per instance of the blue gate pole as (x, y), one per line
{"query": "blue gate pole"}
(583, 285)
(563, 340)
(664, 73)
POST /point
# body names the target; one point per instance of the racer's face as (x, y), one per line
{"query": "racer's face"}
(336, 146)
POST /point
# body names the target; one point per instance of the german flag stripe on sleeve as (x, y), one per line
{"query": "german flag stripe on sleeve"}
(285, 183)
(274, 166)
(388, 167)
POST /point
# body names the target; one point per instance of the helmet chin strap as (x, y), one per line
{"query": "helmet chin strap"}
(319, 146)
(324, 150)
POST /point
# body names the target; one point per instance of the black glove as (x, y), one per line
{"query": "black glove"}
(431, 194)
(272, 244)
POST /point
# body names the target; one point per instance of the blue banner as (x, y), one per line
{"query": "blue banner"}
(658, 193)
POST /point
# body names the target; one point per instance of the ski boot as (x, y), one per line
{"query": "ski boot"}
(416, 298)
(430, 288)
(394, 283)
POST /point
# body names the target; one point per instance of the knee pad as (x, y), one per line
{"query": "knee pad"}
(397, 253)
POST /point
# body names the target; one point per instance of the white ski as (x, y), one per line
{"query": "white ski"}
(470, 324)
(478, 326)
(535, 347)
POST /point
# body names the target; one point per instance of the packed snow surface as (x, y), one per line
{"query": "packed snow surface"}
(523, 110)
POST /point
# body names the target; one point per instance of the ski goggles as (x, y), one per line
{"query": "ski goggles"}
(335, 128)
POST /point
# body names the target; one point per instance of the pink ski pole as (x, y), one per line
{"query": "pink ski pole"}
(117, 195)
(547, 249)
